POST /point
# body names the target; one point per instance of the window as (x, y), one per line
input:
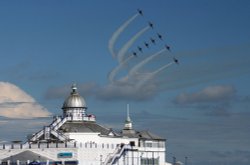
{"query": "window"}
(149, 161)
(148, 144)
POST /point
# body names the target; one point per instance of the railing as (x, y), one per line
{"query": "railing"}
(117, 154)
(37, 135)
(53, 126)
(56, 127)
(60, 136)
(111, 155)
(47, 162)
(87, 145)
(58, 119)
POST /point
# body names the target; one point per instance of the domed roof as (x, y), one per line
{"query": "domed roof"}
(74, 100)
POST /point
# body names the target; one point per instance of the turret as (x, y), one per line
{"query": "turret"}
(74, 106)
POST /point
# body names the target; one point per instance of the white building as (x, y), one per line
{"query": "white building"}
(76, 138)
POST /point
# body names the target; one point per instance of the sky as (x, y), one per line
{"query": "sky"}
(201, 105)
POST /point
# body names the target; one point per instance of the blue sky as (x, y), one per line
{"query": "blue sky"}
(201, 105)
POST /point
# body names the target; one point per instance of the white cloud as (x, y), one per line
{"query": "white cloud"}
(15, 103)
(127, 92)
(208, 94)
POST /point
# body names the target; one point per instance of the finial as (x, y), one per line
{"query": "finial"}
(74, 88)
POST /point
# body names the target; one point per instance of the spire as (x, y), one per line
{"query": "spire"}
(128, 126)
(128, 117)
(128, 123)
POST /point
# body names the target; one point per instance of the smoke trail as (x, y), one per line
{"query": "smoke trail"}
(124, 49)
(152, 74)
(117, 33)
(142, 63)
(113, 73)
(162, 68)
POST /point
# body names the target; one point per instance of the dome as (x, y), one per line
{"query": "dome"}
(74, 100)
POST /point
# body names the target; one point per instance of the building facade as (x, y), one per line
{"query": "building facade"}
(76, 138)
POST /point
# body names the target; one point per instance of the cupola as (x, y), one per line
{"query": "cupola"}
(74, 106)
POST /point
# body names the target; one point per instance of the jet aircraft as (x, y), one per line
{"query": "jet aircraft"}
(135, 54)
(140, 12)
(152, 40)
(167, 47)
(159, 36)
(176, 61)
(139, 48)
(151, 24)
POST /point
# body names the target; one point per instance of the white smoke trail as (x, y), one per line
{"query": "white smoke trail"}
(134, 70)
(152, 74)
(125, 48)
(162, 68)
(117, 33)
(113, 73)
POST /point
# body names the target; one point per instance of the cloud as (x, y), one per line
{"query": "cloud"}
(195, 68)
(207, 95)
(15, 103)
(126, 91)
(122, 90)
(185, 75)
